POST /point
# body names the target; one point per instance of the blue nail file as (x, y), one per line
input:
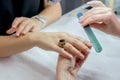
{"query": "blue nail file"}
(91, 36)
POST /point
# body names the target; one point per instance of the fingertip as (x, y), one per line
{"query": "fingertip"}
(89, 2)
(89, 44)
(34, 29)
(88, 51)
(24, 32)
(69, 56)
(7, 31)
(83, 24)
(81, 56)
(13, 26)
(17, 34)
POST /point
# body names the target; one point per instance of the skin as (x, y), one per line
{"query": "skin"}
(22, 41)
(46, 40)
(22, 25)
(102, 18)
(67, 69)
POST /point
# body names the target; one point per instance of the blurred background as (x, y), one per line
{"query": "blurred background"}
(68, 5)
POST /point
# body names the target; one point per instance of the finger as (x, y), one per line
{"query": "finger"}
(35, 28)
(69, 48)
(80, 46)
(87, 43)
(21, 27)
(78, 64)
(91, 13)
(85, 15)
(97, 3)
(27, 28)
(11, 30)
(17, 21)
(94, 19)
(62, 52)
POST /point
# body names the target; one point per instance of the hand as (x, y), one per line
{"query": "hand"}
(101, 17)
(22, 25)
(68, 69)
(75, 46)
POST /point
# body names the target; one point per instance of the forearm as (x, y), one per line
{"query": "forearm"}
(51, 12)
(10, 45)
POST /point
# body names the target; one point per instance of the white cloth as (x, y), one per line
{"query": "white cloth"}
(38, 64)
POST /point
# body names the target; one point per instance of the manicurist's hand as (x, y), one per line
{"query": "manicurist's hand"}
(102, 18)
(68, 69)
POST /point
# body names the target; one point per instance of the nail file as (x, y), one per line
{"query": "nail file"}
(91, 36)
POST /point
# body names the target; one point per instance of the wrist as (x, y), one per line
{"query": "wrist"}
(65, 76)
(32, 37)
(41, 19)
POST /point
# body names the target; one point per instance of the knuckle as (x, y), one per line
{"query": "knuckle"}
(75, 41)
(63, 35)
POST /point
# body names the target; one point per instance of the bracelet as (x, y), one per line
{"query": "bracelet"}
(42, 19)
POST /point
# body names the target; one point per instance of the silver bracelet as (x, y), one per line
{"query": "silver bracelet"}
(42, 19)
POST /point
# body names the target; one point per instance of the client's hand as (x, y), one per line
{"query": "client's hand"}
(71, 45)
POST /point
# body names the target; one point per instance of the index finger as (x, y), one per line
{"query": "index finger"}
(97, 3)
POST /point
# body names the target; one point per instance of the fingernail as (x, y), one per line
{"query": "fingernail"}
(82, 57)
(90, 44)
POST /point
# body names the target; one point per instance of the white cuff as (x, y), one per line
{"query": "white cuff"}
(42, 19)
